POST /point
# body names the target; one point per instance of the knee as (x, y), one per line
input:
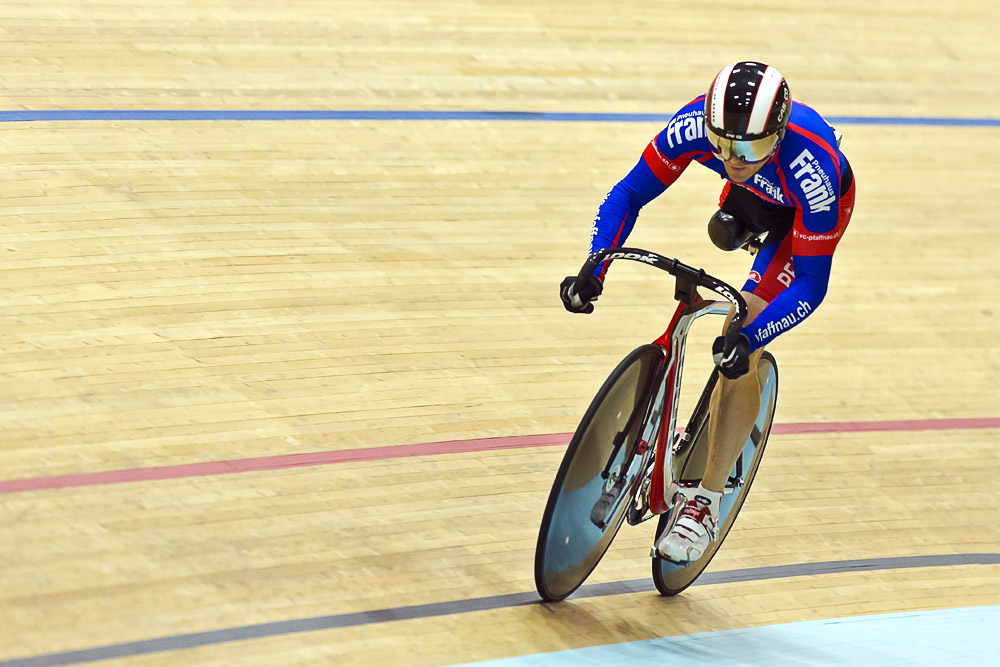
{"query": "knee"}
(726, 232)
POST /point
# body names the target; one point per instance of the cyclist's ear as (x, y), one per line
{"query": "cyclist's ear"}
(728, 233)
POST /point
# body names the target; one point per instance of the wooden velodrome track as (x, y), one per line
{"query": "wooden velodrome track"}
(311, 304)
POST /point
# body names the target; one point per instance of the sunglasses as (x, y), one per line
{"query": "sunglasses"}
(751, 152)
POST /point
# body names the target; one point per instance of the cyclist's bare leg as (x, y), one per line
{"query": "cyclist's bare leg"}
(734, 407)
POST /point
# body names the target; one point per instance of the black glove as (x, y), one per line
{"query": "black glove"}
(578, 298)
(737, 362)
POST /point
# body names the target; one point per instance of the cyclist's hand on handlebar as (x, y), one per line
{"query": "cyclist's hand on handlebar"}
(737, 362)
(580, 298)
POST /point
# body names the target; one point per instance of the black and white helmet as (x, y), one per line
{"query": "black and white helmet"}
(746, 111)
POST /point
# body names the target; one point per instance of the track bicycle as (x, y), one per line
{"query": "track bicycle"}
(627, 461)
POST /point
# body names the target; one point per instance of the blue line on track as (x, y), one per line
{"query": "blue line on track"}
(68, 115)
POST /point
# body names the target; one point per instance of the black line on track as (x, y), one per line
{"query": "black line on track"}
(261, 630)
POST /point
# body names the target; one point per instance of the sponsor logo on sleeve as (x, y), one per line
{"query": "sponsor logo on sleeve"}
(775, 327)
(686, 127)
(596, 228)
(754, 276)
(663, 158)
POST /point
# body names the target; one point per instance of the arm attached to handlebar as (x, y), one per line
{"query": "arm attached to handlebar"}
(687, 276)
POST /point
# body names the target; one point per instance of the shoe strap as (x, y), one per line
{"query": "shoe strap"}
(700, 513)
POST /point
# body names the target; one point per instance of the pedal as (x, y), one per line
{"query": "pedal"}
(675, 494)
(639, 511)
(677, 503)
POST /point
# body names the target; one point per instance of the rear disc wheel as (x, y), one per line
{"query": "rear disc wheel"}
(672, 578)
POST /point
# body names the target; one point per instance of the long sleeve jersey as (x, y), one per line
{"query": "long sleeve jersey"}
(805, 173)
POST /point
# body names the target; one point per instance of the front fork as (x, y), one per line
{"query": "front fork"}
(661, 491)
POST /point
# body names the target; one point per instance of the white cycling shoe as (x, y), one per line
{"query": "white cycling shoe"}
(694, 531)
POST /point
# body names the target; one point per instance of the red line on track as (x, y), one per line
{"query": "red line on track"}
(263, 463)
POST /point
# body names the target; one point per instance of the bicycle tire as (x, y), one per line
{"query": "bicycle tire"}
(569, 544)
(672, 578)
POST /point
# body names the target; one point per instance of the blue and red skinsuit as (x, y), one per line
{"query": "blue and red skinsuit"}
(805, 173)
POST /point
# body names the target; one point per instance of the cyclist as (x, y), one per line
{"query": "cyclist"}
(786, 178)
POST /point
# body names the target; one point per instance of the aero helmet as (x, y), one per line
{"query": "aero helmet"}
(746, 111)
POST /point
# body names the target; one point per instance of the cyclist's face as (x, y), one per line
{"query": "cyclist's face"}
(740, 171)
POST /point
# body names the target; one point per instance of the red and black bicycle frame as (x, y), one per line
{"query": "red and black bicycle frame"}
(661, 415)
